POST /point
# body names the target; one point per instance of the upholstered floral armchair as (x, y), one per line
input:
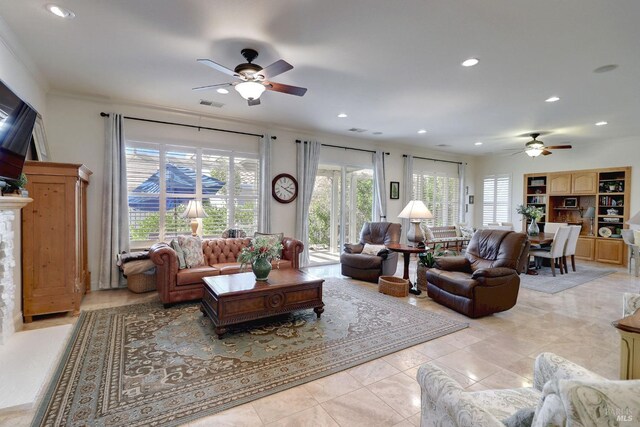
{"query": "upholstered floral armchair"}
(563, 394)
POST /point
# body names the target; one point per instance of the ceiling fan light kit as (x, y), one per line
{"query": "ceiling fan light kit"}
(250, 90)
(254, 78)
(534, 148)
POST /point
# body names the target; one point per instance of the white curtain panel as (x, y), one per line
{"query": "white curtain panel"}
(407, 193)
(115, 212)
(463, 196)
(264, 220)
(308, 157)
(379, 184)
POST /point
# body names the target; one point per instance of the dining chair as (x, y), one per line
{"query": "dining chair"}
(634, 250)
(552, 227)
(570, 247)
(554, 252)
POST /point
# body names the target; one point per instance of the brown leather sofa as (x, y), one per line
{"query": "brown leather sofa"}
(220, 254)
(485, 280)
(369, 267)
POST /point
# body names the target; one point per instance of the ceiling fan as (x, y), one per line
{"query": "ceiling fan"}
(534, 147)
(253, 78)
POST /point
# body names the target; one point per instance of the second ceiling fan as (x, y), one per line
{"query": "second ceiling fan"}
(534, 148)
(253, 78)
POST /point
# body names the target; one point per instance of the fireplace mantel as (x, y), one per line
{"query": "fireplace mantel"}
(10, 262)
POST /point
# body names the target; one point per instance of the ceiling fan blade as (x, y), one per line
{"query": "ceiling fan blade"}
(274, 69)
(253, 102)
(291, 90)
(517, 152)
(558, 147)
(218, 67)
(212, 86)
(546, 152)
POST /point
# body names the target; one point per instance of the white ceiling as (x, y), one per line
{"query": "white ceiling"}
(392, 65)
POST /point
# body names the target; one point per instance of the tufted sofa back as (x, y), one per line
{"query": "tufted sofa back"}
(222, 250)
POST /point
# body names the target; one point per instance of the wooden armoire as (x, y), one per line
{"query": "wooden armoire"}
(55, 274)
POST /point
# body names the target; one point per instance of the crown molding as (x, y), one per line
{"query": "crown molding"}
(17, 50)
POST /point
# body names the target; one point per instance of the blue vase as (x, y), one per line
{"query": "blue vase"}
(261, 267)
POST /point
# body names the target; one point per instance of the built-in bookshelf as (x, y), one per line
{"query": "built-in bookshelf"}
(567, 196)
(536, 194)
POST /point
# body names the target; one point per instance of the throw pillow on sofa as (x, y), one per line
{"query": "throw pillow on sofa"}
(464, 231)
(182, 264)
(192, 248)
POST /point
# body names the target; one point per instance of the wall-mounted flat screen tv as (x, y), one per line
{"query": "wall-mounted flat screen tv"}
(16, 126)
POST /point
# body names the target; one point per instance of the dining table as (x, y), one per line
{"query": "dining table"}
(542, 239)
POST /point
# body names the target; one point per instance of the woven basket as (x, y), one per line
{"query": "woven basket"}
(394, 286)
(143, 282)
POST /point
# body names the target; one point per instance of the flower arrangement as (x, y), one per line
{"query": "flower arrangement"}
(261, 248)
(530, 212)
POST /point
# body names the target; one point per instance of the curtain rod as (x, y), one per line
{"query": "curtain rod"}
(343, 147)
(187, 126)
(436, 160)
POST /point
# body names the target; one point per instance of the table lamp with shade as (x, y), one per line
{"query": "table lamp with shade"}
(194, 211)
(415, 212)
(590, 214)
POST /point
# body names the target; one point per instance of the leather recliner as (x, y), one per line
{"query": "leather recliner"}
(485, 280)
(359, 266)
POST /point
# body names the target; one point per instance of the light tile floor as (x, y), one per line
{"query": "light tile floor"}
(494, 352)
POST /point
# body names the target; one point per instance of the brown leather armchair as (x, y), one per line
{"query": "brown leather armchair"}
(485, 280)
(359, 266)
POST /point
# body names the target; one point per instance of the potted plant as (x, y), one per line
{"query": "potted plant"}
(428, 260)
(259, 255)
(532, 214)
(15, 186)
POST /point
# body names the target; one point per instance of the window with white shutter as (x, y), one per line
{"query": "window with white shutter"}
(440, 193)
(161, 179)
(496, 199)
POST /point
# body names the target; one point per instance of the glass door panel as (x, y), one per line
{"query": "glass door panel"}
(341, 196)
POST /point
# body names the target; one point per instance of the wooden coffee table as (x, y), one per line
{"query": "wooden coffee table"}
(237, 298)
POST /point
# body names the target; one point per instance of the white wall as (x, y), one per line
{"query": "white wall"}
(622, 152)
(75, 133)
(19, 74)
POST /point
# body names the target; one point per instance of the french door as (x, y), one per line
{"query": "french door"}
(342, 202)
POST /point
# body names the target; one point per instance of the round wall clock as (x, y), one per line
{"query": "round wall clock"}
(284, 188)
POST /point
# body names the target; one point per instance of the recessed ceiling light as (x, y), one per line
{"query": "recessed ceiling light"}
(478, 143)
(470, 62)
(602, 123)
(222, 91)
(552, 99)
(60, 12)
(342, 115)
(422, 131)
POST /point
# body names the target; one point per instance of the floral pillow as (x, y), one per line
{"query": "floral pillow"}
(192, 248)
(465, 231)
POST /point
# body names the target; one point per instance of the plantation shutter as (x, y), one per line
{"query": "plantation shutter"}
(496, 201)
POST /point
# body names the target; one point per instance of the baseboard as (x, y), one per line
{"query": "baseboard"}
(18, 323)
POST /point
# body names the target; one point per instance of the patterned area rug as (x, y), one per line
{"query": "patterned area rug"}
(145, 365)
(545, 282)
